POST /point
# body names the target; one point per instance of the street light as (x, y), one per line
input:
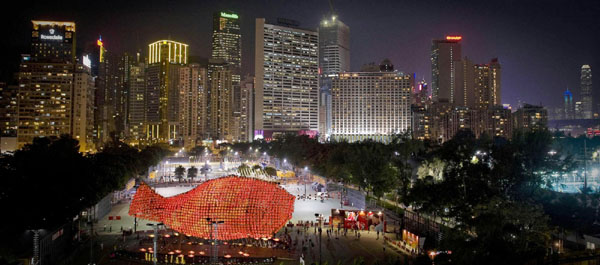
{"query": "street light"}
(155, 237)
(305, 179)
(215, 248)
(432, 255)
(320, 219)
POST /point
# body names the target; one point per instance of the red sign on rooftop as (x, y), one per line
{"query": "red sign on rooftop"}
(454, 38)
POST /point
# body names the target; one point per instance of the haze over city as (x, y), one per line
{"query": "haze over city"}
(541, 45)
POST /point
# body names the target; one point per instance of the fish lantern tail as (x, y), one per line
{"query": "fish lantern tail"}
(147, 204)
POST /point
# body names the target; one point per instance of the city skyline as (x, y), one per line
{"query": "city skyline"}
(535, 69)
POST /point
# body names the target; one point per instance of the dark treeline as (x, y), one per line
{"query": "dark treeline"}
(492, 191)
(47, 183)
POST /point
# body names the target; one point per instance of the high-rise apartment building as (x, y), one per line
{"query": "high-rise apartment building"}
(221, 103)
(190, 88)
(8, 110)
(371, 105)
(8, 117)
(165, 58)
(246, 109)
(286, 72)
(530, 117)
(334, 58)
(586, 92)
(445, 63)
(46, 82)
(137, 103)
(83, 106)
(202, 120)
(464, 88)
(487, 84)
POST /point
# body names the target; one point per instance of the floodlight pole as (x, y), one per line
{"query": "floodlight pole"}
(155, 249)
(214, 259)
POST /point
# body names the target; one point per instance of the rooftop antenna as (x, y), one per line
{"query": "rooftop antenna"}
(331, 7)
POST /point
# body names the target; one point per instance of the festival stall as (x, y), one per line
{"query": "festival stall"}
(356, 219)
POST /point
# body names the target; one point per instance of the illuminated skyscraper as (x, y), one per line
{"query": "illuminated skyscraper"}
(445, 57)
(371, 105)
(569, 108)
(53, 41)
(334, 57)
(165, 58)
(227, 41)
(586, 92)
(334, 46)
(46, 82)
(286, 72)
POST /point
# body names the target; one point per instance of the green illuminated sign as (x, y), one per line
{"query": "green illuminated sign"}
(227, 15)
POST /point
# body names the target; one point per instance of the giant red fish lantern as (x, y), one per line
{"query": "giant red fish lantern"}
(248, 207)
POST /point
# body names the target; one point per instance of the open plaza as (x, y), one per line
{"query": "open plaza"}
(309, 237)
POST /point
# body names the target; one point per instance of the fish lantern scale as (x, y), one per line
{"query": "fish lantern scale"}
(248, 207)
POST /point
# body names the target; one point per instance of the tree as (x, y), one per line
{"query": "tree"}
(271, 172)
(179, 172)
(243, 169)
(192, 172)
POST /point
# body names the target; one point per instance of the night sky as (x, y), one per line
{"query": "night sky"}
(540, 44)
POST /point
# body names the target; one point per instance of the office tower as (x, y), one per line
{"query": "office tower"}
(578, 110)
(487, 84)
(530, 117)
(165, 57)
(586, 92)
(569, 108)
(111, 94)
(190, 88)
(137, 103)
(371, 105)
(334, 47)
(121, 106)
(46, 82)
(83, 106)
(334, 57)
(246, 109)
(286, 72)
(445, 55)
(227, 41)
(221, 101)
